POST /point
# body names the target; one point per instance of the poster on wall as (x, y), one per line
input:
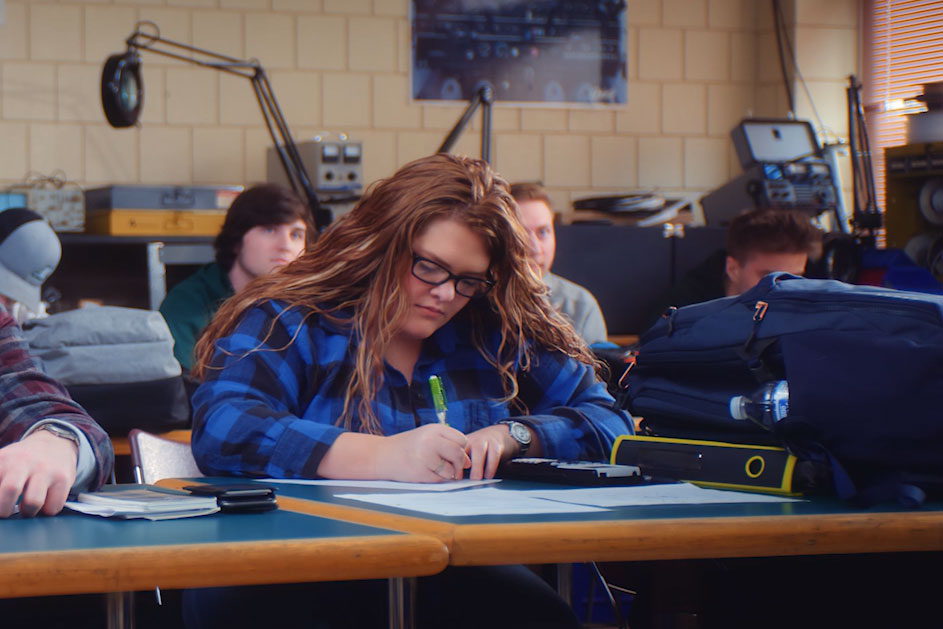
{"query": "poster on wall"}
(547, 52)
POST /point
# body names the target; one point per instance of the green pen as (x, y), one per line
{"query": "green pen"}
(438, 397)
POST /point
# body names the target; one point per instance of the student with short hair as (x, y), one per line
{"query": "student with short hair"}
(322, 370)
(758, 242)
(573, 300)
(266, 227)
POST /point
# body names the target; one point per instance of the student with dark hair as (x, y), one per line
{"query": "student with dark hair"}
(322, 370)
(575, 302)
(267, 226)
(758, 242)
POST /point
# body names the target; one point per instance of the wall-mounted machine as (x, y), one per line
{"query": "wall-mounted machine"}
(784, 168)
(336, 167)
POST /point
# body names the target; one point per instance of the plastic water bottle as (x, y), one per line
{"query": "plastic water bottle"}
(767, 405)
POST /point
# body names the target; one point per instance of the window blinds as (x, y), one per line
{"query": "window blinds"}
(906, 51)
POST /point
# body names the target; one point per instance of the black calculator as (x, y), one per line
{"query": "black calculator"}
(571, 472)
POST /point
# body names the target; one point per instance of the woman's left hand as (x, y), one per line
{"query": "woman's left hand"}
(486, 448)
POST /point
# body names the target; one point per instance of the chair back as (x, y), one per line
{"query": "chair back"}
(155, 457)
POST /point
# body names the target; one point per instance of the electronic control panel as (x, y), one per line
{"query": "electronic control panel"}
(335, 166)
(800, 185)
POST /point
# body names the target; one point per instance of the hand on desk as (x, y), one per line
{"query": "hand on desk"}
(487, 447)
(41, 467)
(429, 454)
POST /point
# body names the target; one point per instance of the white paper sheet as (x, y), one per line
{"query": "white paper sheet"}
(483, 501)
(639, 495)
(493, 501)
(109, 511)
(388, 484)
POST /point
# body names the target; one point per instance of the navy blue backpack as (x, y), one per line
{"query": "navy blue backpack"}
(864, 367)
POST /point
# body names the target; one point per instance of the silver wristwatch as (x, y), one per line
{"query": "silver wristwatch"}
(59, 431)
(519, 433)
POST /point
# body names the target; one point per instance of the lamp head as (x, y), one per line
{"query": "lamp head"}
(122, 89)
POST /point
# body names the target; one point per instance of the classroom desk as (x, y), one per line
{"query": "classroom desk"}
(77, 554)
(623, 340)
(821, 526)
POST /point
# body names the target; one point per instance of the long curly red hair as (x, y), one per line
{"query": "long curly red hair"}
(353, 274)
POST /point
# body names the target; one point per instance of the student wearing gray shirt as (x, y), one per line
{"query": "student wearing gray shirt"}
(574, 301)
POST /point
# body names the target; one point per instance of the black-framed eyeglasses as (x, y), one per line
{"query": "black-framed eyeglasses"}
(435, 274)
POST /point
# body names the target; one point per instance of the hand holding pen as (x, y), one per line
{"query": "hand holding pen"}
(486, 447)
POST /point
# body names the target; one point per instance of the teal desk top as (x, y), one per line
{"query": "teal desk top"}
(72, 553)
(815, 506)
(817, 526)
(70, 531)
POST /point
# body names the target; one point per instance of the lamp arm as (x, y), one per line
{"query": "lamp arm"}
(866, 213)
(483, 98)
(285, 146)
(139, 40)
(487, 98)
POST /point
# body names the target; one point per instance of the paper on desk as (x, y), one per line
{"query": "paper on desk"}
(107, 511)
(483, 501)
(387, 484)
(640, 495)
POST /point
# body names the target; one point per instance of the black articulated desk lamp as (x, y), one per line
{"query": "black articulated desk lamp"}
(123, 97)
(484, 98)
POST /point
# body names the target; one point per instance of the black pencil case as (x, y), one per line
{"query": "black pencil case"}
(238, 497)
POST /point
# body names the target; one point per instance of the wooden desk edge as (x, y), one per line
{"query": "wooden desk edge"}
(697, 538)
(218, 564)
(623, 340)
(655, 539)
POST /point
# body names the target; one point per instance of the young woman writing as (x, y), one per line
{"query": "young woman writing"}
(322, 369)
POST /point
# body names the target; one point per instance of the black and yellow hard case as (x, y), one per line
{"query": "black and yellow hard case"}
(716, 464)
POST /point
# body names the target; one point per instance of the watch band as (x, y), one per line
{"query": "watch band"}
(59, 431)
(520, 433)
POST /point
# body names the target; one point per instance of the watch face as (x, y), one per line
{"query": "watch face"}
(520, 433)
(61, 432)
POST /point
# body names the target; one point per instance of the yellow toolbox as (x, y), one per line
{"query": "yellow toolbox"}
(157, 210)
(154, 222)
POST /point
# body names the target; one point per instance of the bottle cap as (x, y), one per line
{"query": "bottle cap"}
(736, 407)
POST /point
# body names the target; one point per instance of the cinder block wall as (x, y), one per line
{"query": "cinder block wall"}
(696, 67)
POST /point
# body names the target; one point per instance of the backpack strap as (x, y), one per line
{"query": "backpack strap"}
(752, 351)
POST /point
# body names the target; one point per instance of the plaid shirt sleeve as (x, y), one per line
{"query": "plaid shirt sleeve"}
(570, 410)
(255, 414)
(276, 384)
(28, 396)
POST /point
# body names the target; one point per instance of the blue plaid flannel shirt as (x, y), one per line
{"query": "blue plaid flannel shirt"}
(269, 408)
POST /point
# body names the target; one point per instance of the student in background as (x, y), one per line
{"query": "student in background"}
(266, 227)
(49, 446)
(322, 370)
(574, 301)
(758, 242)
